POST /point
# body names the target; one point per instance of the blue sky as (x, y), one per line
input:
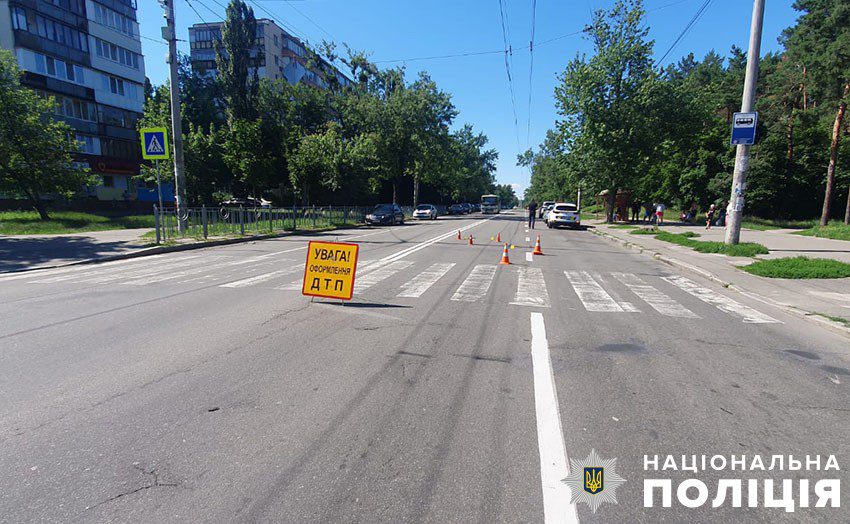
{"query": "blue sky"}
(406, 29)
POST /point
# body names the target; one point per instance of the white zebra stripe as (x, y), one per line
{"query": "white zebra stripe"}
(373, 277)
(531, 288)
(419, 284)
(721, 302)
(592, 295)
(656, 299)
(476, 285)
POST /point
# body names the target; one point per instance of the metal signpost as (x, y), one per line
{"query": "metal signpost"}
(155, 147)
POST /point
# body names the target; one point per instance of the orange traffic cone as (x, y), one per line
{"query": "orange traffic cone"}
(470, 240)
(499, 237)
(505, 260)
(458, 234)
(537, 250)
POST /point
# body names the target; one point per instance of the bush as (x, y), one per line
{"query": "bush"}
(799, 267)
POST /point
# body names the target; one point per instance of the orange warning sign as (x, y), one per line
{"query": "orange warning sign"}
(330, 269)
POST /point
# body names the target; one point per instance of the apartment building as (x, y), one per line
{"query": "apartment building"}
(87, 54)
(276, 55)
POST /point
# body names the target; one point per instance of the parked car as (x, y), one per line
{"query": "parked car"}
(564, 214)
(546, 211)
(425, 211)
(456, 209)
(542, 208)
(476, 208)
(246, 202)
(385, 214)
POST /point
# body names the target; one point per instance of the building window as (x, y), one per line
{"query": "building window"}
(86, 144)
(19, 19)
(116, 53)
(47, 28)
(113, 20)
(47, 65)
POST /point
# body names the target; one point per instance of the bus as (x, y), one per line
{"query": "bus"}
(490, 204)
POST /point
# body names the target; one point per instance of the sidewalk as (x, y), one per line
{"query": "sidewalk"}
(20, 252)
(818, 297)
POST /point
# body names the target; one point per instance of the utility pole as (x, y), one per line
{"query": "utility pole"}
(170, 33)
(735, 210)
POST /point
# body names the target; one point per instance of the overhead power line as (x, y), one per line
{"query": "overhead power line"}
(687, 28)
(508, 54)
(531, 67)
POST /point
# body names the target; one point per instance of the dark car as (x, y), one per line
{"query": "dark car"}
(476, 208)
(467, 208)
(456, 209)
(385, 214)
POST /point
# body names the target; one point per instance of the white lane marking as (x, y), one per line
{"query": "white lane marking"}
(658, 300)
(193, 271)
(373, 277)
(262, 278)
(628, 307)
(554, 465)
(529, 256)
(96, 277)
(721, 302)
(38, 273)
(527, 239)
(591, 294)
(419, 284)
(413, 249)
(476, 285)
(531, 288)
(87, 270)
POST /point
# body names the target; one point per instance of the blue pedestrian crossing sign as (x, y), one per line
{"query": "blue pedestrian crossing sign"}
(154, 143)
(744, 129)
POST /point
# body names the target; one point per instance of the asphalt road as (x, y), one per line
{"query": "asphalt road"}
(202, 387)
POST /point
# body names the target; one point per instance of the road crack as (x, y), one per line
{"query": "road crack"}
(153, 482)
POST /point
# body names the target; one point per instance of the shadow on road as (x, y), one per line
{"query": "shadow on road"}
(24, 253)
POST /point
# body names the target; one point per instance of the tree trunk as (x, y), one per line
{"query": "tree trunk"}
(38, 204)
(847, 209)
(833, 156)
(612, 206)
(789, 138)
(415, 190)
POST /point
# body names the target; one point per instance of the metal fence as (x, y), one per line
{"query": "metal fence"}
(205, 222)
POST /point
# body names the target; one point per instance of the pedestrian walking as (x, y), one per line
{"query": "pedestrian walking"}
(532, 213)
(709, 216)
(659, 212)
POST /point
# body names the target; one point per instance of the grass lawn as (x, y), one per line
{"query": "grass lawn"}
(29, 223)
(799, 267)
(835, 230)
(763, 224)
(687, 239)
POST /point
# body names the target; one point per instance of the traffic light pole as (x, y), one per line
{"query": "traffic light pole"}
(170, 34)
(735, 210)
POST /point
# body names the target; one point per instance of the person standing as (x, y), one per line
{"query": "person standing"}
(635, 210)
(532, 213)
(659, 213)
(647, 211)
(709, 216)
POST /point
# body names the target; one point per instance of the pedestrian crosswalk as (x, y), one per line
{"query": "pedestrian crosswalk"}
(517, 285)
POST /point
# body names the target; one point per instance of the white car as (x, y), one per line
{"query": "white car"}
(563, 214)
(546, 209)
(425, 212)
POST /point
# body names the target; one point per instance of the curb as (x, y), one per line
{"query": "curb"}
(172, 249)
(811, 316)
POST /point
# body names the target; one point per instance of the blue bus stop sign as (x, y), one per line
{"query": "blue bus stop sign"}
(744, 129)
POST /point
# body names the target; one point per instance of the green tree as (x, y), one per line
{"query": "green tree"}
(35, 149)
(820, 43)
(608, 102)
(239, 84)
